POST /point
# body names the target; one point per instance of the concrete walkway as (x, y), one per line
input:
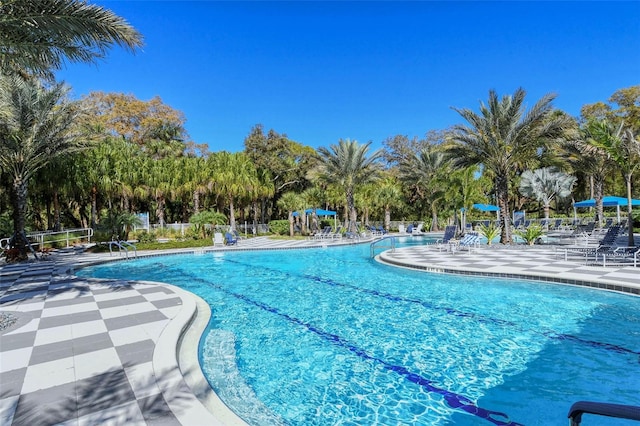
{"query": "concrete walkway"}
(90, 351)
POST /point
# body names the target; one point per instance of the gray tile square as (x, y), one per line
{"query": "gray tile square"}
(155, 289)
(47, 407)
(10, 342)
(121, 302)
(156, 411)
(12, 381)
(79, 317)
(167, 303)
(136, 319)
(136, 353)
(103, 391)
(51, 352)
(96, 342)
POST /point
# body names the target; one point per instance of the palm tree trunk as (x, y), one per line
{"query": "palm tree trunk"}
(631, 240)
(598, 186)
(353, 214)
(387, 217)
(94, 206)
(160, 211)
(196, 201)
(56, 210)
(291, 217)
(546, 216)
(19, 199)
(434, 219)
(232, 216)
(502, 194)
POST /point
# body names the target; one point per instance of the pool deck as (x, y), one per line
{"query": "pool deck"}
(89, 351)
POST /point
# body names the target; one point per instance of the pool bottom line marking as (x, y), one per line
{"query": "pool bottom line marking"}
(452, 399)
(483, 319)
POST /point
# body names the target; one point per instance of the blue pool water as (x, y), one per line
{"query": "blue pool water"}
(330, 337)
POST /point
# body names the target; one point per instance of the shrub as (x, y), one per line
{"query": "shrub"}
(279, 227)
(531, 234)
(490, 231)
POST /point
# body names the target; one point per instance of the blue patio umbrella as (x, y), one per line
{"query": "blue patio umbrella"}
(608, 201)
(486, 207)
(321, 212)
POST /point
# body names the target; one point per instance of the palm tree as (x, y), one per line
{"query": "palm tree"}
(348, 166)
(388, 194)
(36, 126)
(623, 148)
(544, 185)
(425, 172)
(235, 177)
(38, 35)
(586, 154)
(290, 201)
(504, 138)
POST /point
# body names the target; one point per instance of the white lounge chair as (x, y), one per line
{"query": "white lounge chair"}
(218, 239)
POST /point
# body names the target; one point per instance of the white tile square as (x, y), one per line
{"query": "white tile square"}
(48, 374)
(124, 310)
(142, 380)
(53, 334)
(30, 326)
(154, 329)
(120, 294)
(172, 311)
(88, 328)
(71, 293)
(17, 358)
(95, 363)
(30, 306)
(124, 336)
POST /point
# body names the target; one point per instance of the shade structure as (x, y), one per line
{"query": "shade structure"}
(319, 212)
(608, 201)
(486, 207)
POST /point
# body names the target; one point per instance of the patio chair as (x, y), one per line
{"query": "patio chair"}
(620, 255)
(229, 240)
(469, 242)
(605, 246)
(218, 239)
(418, 229)
(449, 234)
(322, 234)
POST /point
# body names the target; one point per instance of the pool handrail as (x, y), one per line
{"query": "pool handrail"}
(392, 244)
(121, 246)
(629, 412)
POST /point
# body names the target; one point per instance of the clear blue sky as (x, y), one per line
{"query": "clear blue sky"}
(321, 71)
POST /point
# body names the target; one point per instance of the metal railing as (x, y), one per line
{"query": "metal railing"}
(122, 246)
(47, 237)
(383, 243)
(629, 412)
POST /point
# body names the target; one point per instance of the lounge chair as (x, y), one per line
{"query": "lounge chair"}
(322, 234)
(218, 239)
(418, 229)
(469, 242)
(449, 234)
(229, 240)
(410, 229)
(620, 255)
(605, 246)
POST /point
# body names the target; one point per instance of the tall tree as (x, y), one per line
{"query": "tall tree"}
(348, 165)
(623, 148)
(38, 35)
(388, 195)
(504, 137)
(36, 126)
(425, 173)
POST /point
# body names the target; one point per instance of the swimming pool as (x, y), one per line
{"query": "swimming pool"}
(328, 336)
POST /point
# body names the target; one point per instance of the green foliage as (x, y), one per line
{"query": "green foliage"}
(490, 231)
(209, 217)
(531, 234)
(144, 237)
(279, 227)
(119, 224)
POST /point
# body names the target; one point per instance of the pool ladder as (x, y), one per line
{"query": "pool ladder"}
(122, 247)
(383, 243)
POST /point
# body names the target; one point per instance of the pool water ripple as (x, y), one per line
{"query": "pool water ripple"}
(326, 337)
